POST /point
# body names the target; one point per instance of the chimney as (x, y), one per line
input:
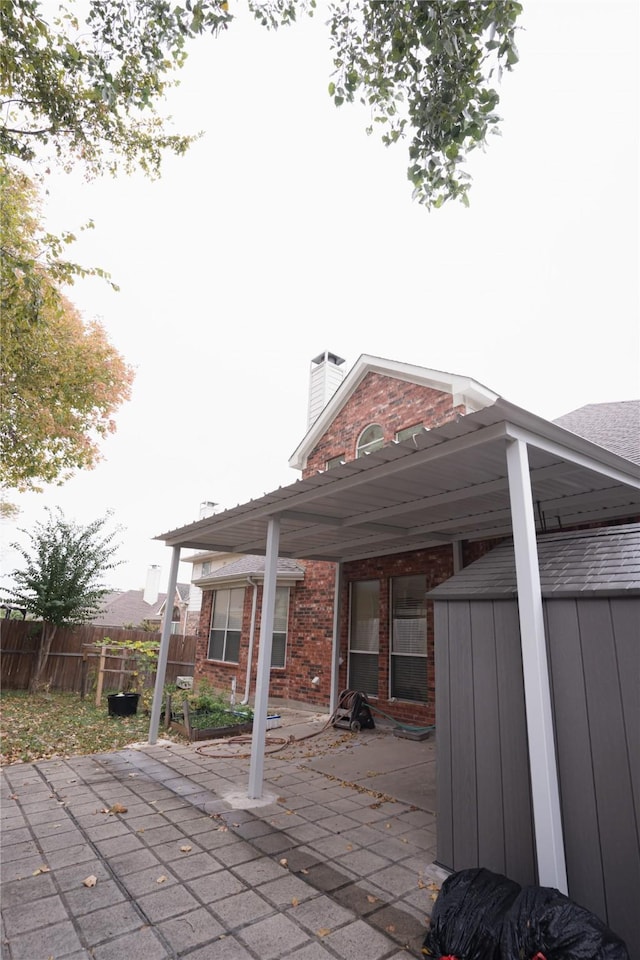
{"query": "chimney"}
(207, 509)
(326, 377)
(152, 587)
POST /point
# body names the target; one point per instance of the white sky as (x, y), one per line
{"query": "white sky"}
(287, 231)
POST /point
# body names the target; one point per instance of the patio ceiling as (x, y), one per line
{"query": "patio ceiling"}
(448, 484)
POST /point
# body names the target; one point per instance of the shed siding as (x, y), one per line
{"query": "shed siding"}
(594, 662)
(608, 881)
(484, 805)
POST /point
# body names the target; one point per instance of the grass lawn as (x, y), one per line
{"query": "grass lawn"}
(47, 725)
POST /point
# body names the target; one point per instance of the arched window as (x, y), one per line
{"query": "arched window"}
(370, 439)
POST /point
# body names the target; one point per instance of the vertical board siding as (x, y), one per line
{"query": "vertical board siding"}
(520, 859)
(443, 735)
(491, 848)
(625, 617)
(463, 739)
(577, 796)
(611, 771)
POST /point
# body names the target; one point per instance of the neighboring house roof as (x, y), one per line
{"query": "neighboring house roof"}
(463, 390)
(251, 566)
(614, 426)
(600, 561)
(123, 607)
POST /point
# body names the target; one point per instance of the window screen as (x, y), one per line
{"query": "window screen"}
(408, 674)
(364, 636)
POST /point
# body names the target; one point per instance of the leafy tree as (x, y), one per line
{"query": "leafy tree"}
(60, 582)
(60, 380)
(90, 91)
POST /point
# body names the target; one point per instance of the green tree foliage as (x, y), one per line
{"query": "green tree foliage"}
(60, 379)
(89, 90)
(60, 582)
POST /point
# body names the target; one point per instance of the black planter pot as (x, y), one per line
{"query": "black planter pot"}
(123, 704)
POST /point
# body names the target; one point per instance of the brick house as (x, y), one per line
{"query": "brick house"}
(386, 625)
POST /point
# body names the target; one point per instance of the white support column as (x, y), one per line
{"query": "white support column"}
(335, 644)
(258, 740)
(163, 653)
(552, 871)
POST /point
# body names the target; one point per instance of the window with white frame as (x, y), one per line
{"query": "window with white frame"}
(280, 623)
(205, 568)
(364, 636)
(408, 432)
(371, 438)
(335, 461)
(408, 669)
(226, 625)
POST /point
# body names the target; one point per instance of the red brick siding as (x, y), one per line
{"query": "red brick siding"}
(308, 651)
(392, 403)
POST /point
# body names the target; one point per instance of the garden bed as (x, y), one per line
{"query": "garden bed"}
(205, 724)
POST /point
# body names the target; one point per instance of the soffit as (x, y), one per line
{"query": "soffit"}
(446, 484)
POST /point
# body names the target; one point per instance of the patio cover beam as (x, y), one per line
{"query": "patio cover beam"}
(545, 793)
(163, 653)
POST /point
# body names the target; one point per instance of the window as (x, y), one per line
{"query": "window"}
(280, 621)
(408, 432)
(175, 620)
(364, 636)
(335, 461)
(205, 568)
(409, 639)
(371, 439)
(226, 625)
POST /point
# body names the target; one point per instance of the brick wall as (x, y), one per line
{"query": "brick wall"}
(308, 651)
(392, 403)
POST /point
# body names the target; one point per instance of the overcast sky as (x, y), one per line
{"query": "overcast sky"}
(286, 231)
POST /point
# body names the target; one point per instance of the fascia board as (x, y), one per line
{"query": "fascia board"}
(472, 394)
(241, 580)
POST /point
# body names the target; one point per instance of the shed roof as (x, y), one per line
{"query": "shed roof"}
(604, 561)
(251, 566)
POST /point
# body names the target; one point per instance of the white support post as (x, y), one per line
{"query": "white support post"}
(335, 645)
(258, 741)
(163, 653)
(552, 871)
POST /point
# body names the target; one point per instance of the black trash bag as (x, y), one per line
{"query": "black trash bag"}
(544, 924)
(466, 922)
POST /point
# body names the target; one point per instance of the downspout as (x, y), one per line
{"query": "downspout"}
(252, 634)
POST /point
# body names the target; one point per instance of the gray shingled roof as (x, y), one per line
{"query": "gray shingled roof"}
(122, 607)
(599, 561)
(252, 566)
(615, 426)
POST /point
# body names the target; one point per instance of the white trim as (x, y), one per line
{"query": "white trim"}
(463, 390)
(258, 739)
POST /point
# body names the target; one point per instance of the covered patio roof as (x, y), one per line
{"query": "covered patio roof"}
(499, 472)
(447, 484)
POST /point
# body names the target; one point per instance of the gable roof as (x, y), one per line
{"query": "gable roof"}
(463, 390)
(602, 561)
(614, 426)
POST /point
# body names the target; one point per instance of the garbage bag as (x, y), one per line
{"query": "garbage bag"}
(466, 922)
(542, 923)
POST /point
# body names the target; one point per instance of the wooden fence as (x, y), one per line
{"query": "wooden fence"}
(19, 641)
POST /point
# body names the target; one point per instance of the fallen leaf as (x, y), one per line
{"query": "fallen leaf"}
(117, 808)
(43, 869)
(434, 897)
(323, 932)
(161, 878)
(390, 928)
(186, 848)
(90, 881)
(421, 884)
(281, 800)
(284, 862)
(349, 846)
(294, 901)
(403, 840)
(433, 886)
(304, 871)
(388, 826)
(371, 898)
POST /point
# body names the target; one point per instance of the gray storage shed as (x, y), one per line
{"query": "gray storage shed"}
(591, 600)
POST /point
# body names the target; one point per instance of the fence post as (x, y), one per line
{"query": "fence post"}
(103, 660)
